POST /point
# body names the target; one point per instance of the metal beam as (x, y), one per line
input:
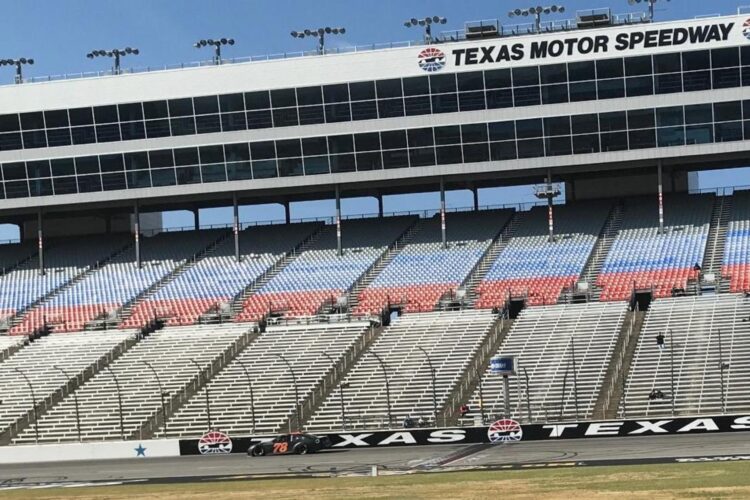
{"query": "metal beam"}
(137, 233)
(40, 235)
(338, 221)
(442, 213)
(236, 227)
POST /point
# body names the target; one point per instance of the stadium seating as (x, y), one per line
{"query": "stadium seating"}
(318, 274)
(106, 289)
(169, 351)
(305, 347)
(736, 263)
(532, 266)
(73, 352)
(694, 324)
(217, 278)
(451, 339)
(641, 258)
(543, 340)
(423, 271)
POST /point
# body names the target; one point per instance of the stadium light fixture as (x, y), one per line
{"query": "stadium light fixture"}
(216, 44)
(650, 6)
(115, 53)
(427, 23)
(320, 34)
(18, 63)
(537, 13)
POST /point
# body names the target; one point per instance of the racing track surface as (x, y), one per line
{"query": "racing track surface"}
(358, 461)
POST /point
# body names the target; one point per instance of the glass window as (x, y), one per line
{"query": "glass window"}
(526, 96)
(582, 91)
(160, 158)
(34, 139)
(557, 146)
(398, 158)
(87, 165)
(309, 115)
(471, 101)
(474, 133)
(726, 78)
(529, 128)
(667, 63)
(188, 175)
(643, 138)
(284, 117)
(530, 148)
(233, 121)
(14, 171)
(362, 91)
(133, 161)
(182, 126)
(135, 179)
(315, 165)
(81, 116)
(38, 168)
(474, 153)
(417, 85)
(40, 187)
(615, 120)
(257, 100)
(559, 125)
(231, 102)
(282, 98)
(262, 150)
(186, 156)
(668, 83)
(389, 88)
(393, 139)
(444, 103)
(163, 177)
(553, 94)
(264, 169)
(205, 124)
(641, 118)
(586, 143)
(670, 136)
(111, 163)
(9, 123)
(206, 105)
(58, 137)
(443, 84)
(639, 85)
(726, 111)
(288, 148)
(725, 58)
(106, 114)
(259, 119)
(364, 110)
(314, 146)
(343, 163)
(309, 95)
(728, 131)
(446, 155)
(699, 134)
(448, 135)
(417, 105)
(391, 108)
(151, 110)
(154, 129)
(18, 189)
(130, 112)
(470, 81)
(422, 157)
(745, 55)
(696, 80)
(367, 142)
(180, 107)
(420, 137)
(291, 167)
(528, 75)
(669, 116)
(214, 172)
(32, 121)
(499, 98)
(501, 131)
(212, 154)
(497, 79)
(584, 124)
(338, 112)
(10, 141)
(505, 150)
(236, 152)
(336, 93)
(340, 144)
(64, 185)
(639, 65)
(581, 71)
(609, 68)
(57, 118)
(699, 113)
(553, 73)
(114, 181)
(695, 60)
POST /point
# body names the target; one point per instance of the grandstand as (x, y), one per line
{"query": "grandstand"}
(125, 329)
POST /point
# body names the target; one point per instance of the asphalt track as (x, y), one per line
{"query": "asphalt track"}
(581, 452)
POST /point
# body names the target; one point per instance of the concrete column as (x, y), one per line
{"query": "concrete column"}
(236, 227)
(442, 213)
(137, 233)
(661, 196)
(40, 236)
(287, 213)
(475, 193)
(380, 204)
(338, 221)
(196, 219)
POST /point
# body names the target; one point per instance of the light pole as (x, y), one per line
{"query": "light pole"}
(537, 13)
(216, 44)
(671, 367)
(650, 6)
(208, 396)
(252, 396)
(296, 390)
(33, 402)
(115, 53)
(75, 401)
(387, 387)
(427, 23)
(320, 34)
(575, 375)
(17, 63)
(722, 366)
(528, 394)
(434, 394)
(119, 401)
(481, 397)
(330, 360)
(161, 395)
(341, 400)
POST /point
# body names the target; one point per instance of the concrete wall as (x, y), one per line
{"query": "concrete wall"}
(89, 451)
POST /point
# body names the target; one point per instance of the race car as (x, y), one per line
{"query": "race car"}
(297, 443)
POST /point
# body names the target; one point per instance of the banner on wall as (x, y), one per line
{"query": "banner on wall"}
(509, 430)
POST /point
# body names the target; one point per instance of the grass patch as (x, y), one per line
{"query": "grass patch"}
(694, 480)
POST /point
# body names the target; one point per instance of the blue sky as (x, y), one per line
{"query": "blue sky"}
(58, 34)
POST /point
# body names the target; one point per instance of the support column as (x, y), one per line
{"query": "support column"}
(338, 221)
(108, 224)
(196, 219)
(661, 197)
(380, 204)
(442, 213)
(475, 193)
(236, 227)
(550, 216)
(40, 235)
(287, 213)
(137, 233)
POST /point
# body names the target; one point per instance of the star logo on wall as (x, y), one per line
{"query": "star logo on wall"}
(140, 451)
